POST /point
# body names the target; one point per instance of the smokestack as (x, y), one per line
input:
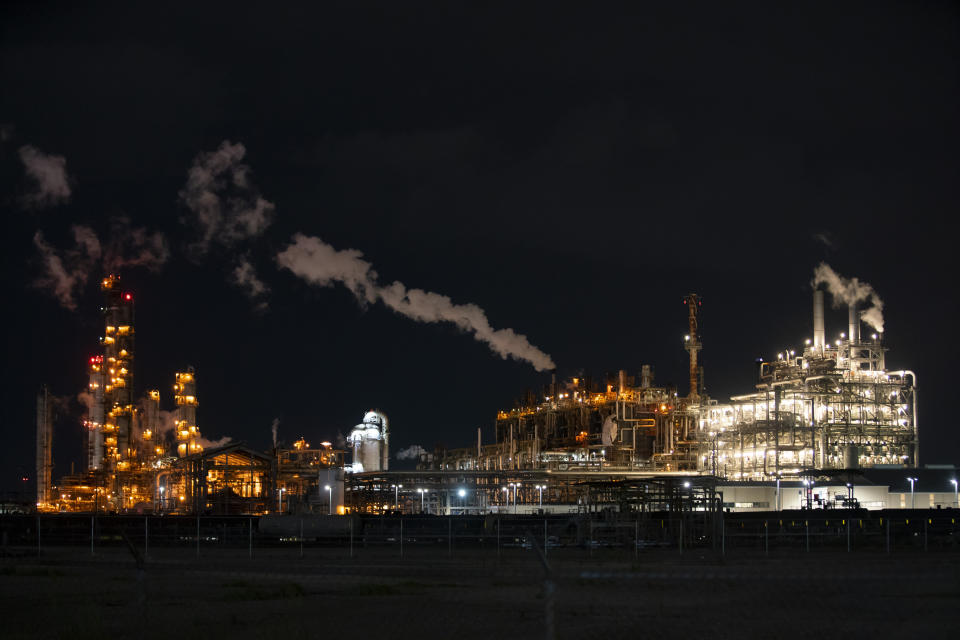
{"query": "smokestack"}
(622, 376)
(44, 446)
(646, 376)
(819, 333)
(853, 319)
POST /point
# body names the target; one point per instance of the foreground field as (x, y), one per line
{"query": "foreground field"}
(473, 594)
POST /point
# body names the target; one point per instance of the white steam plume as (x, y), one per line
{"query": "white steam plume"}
(245, 277)
(226, 207)
(273, 429)
(318, 263)
(846, 291)
(410, 453)
(212, 444)
(49, 175)
(64, 275)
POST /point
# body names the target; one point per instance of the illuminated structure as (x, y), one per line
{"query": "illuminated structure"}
(832, 406)
(120, 438)
(95, 418)
(370, 441)
(185, 396)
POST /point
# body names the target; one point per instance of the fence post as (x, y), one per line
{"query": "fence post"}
(198, 536)
(544, 536)
(924, 534)
(38, 535)
(250, 537)
(91, 534)
(301, 536)
(808, 534)
(766, 537)
(723, 536)
(888, 535)
(636, 537)
(590, 541)
(146, 536)
(401, 537)
(351, 536)
(498, 537)
(848, 535)
(449, 535)
(681, 534)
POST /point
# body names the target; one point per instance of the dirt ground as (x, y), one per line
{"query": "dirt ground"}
(67, 593)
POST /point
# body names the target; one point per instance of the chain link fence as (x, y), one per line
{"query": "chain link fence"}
(523, 577)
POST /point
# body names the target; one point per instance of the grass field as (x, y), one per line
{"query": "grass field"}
(426, 594)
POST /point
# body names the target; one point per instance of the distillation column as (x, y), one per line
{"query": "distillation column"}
(95, 417)
(185, 396)
(693, 345)
(119, 436)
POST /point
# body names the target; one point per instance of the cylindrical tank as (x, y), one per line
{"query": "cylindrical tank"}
(851, 456)
(819, 332)
(369, 442)
(853, 319)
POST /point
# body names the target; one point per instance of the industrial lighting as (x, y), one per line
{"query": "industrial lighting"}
(956, 496)
(462, 493)
(913, 497)
(329, 497)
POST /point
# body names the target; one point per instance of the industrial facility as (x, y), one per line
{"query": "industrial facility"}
(143, 459)
(818, 421)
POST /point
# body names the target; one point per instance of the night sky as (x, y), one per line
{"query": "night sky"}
(572, 173)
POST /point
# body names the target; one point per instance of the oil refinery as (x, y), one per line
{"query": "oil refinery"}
(821, 426)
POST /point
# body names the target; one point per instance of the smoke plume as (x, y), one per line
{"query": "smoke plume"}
(319, 263)
(847, 291)
(226, 207)
(49, 176)
(65, 274)
(410, 453)
(86, 399)
(130, 246)
(273, 429)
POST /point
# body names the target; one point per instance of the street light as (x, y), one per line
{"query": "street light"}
(507, 492)
(329, 497)
(515, 487)
(396, 496)
(423, 494)
(540, 488)
(280, 499)
(161, 496)
(913, 497)
(956, 496)
(463, 494)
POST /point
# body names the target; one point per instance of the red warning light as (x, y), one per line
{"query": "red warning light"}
(127, 296)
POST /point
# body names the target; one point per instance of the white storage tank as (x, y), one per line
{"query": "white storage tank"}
(370, 443)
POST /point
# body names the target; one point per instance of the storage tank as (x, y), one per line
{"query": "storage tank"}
(369, 441)
(851, 456)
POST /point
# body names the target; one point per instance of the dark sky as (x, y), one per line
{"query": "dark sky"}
(574, 173)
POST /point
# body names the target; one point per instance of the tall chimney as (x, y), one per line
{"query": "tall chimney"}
(853, 319)
(646, 376)
(44, 446)
(622, 381)
(819, 333)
